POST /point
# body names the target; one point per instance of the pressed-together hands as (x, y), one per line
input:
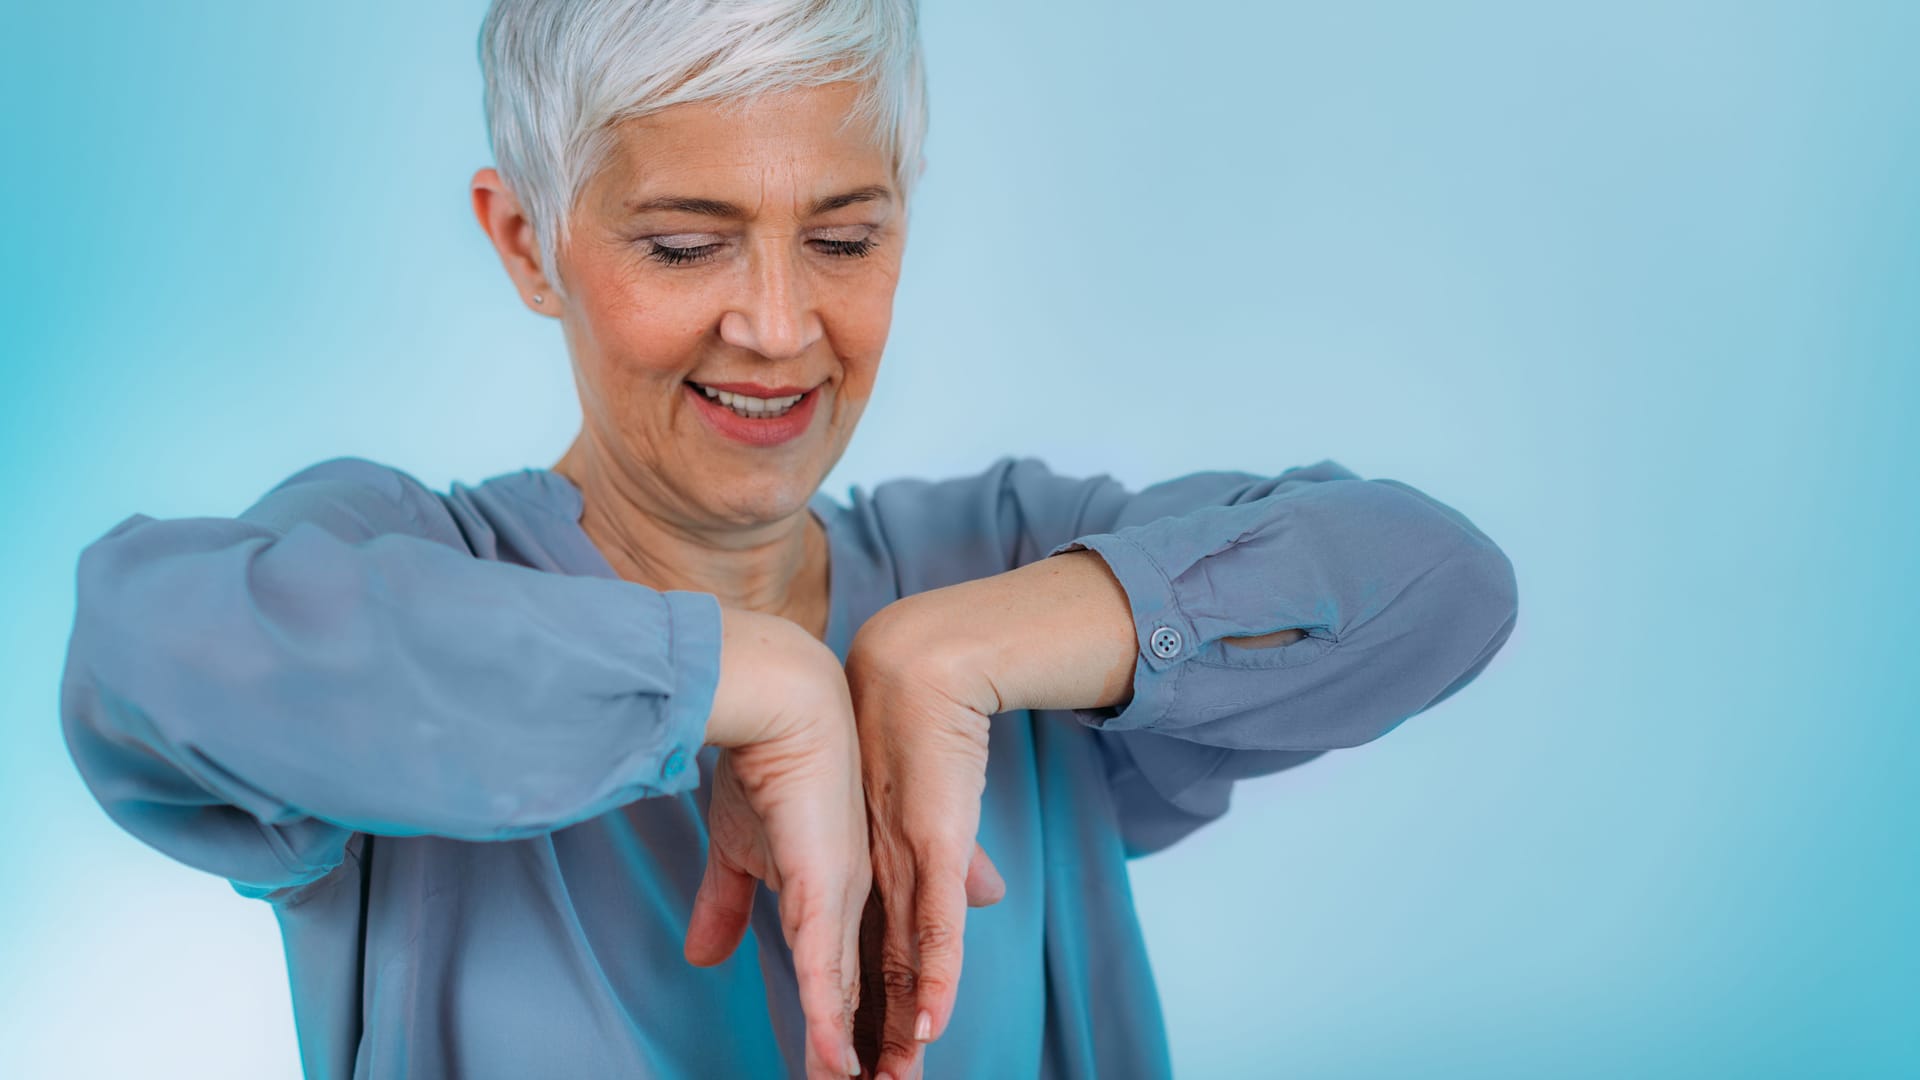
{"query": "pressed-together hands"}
(833, 779)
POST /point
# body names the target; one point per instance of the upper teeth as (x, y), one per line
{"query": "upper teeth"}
(743, 403)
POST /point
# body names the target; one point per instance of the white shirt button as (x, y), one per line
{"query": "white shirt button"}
(1165, 642)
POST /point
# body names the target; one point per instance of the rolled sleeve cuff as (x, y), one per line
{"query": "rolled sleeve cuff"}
(693, 636)
(1164, 636)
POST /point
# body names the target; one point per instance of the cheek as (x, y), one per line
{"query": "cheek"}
(650, 336)
(864, 317)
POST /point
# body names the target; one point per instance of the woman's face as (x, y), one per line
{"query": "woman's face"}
(756, 244)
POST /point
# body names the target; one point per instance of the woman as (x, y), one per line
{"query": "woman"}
(499, 757)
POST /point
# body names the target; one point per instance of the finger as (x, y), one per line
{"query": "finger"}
(721, 909)
(985, 886)
(816, 1069)
(899, 966)
(940, 905)
(850, 954)
(815, 922)
(915, 1070)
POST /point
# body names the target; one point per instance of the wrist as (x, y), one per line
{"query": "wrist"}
(773, 674)
(932, 638)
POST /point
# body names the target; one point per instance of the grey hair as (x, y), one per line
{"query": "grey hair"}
(560, 73)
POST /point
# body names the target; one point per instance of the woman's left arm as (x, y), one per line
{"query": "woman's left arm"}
(1215, 626)
(1306, 612)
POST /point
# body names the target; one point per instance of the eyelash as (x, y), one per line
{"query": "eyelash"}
(852, 249)
(673, 256)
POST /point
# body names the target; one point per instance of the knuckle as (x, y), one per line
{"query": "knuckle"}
(945, 855)
(933, 988)
(934, 938)
(888, 849)
(896, 1048)
(900, 980)
(833, 975)
(891, 879)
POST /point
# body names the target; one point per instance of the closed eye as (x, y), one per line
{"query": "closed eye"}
(673, 255)
(852, 249)
(679, 256)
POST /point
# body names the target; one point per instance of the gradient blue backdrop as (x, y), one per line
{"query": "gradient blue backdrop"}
(1635, 285)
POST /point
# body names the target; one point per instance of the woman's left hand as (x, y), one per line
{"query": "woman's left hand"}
(926, 673)
(923, 716)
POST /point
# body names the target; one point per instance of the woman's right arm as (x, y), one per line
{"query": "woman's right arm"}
(245, 693)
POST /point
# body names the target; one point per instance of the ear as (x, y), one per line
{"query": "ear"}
(506, 224)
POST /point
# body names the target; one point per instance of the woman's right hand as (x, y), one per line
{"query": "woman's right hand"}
(787, 809)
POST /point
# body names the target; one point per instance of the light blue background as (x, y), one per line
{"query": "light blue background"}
(1636, 286)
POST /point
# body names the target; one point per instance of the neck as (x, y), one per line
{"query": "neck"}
(778, 568)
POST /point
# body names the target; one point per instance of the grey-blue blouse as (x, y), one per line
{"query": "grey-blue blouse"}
(461, 758)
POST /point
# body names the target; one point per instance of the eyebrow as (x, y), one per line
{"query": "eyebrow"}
(686, 204)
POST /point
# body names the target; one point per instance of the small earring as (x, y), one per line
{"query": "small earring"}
(538, 299)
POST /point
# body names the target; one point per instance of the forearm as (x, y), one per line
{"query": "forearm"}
(1057, 633)
(389, 686)
(1053, 634)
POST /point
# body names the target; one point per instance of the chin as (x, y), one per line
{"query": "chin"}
(761, 503)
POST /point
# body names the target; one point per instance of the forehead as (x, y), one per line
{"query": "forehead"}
(793, 140)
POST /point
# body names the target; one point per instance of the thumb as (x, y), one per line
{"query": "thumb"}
(985, 886)
(721, 909)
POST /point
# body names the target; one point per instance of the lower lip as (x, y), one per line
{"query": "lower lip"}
(771, 432)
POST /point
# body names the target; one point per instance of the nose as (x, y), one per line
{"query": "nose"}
(775, 316)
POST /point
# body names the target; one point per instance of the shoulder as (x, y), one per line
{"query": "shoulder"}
(358, 475)
(353, 495)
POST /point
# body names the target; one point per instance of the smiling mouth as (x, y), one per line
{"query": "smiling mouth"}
(752, 408)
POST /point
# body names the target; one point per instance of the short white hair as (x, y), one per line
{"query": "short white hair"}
(560, 73)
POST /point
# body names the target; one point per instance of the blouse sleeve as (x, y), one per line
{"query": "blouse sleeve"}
(1402, 601)
(244, 694)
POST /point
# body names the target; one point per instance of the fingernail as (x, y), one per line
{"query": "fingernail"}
(850, 1061)
(923, 1026)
